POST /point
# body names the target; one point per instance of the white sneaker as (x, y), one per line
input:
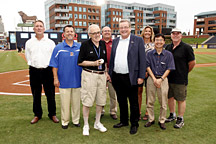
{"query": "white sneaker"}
(86, 130)
(99, 126)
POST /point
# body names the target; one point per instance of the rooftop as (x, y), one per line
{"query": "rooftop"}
(206, 13)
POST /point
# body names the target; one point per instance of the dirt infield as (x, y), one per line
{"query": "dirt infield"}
(17, 82)
(209, 53)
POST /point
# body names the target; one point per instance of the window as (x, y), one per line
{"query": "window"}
(84, 16)
(70, 22)
(75, 8)
(80, 23)
(89, 17)
(70, 15)
(113, 25)
(76, 23)
(84, 9)
(116, 13)
(120, 13)
(80, 9)
(113, 12)
(80, 16)
(84, 23)
(75, 16)
(97, 11)
(70, 8)
(114, 19)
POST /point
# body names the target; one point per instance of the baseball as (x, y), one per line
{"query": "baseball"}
(101, 61)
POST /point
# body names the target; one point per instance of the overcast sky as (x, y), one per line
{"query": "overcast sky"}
(186, 9)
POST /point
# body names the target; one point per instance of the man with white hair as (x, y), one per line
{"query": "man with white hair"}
(93, 59)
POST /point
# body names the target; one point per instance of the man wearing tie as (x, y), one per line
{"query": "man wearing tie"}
(127, 69)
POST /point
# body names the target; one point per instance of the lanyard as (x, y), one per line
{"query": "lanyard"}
(98, 53)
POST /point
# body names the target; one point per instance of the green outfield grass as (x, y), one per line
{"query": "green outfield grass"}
(10, 60)
(16, 114)
(205, 58)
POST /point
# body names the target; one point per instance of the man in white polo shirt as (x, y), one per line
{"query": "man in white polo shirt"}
(38, 51)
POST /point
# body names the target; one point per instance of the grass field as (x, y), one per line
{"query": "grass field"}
(16, 114)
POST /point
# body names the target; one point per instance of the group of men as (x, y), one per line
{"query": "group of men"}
(82, 72)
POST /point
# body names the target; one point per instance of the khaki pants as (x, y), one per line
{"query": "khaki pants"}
(70, 99)
(113, 99)
(162, 94)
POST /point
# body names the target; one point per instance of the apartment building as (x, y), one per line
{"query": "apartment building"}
(205, 23)
(82, 13)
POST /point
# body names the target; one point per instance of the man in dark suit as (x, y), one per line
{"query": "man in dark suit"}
(127, 70)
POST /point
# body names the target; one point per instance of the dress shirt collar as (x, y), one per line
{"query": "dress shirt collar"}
(66, 45)
(155, 52)
(108, 41)
(128, 38)
(43, 39)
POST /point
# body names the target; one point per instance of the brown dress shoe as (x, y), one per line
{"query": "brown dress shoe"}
(114, 116)
(148, 124)
(54, 119)
(35, 120)
(162, 125)
(145, 118)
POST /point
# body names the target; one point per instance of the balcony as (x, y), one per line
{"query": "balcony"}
(149, 17)
(131, 16)
(60, 25)
(62, 3)
(132, 22)
(61, 17)
(61, 10)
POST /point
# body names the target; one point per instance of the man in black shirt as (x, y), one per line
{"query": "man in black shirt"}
(93, 59)
(178, 79)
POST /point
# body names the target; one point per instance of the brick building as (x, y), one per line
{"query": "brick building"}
(82, 13)
(205, 23)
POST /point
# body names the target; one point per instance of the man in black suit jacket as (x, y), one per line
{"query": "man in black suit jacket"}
(127, 70)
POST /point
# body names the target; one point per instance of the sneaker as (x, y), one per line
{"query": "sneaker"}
(86, 130)
(179, 123)
(170, 118)
(99, 126)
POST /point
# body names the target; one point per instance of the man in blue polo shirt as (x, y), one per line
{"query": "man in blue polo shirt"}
(159, 63)
(67, 76)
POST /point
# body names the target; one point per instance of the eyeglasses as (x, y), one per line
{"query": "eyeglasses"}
(95, 33)
(159, 40)
(123, 27)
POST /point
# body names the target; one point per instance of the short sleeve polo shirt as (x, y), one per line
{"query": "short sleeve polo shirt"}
(65, 59)
(182, 54)
(88, 53)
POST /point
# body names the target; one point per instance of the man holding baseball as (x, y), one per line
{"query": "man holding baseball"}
(93, 59)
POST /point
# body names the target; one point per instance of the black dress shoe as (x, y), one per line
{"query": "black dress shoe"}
(77, 125)
(148, 124)
(119, 125)
(133, 129)
(65, 127)
(162, 125)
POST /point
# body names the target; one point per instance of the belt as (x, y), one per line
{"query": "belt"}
(93, 71)
(158, 77)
